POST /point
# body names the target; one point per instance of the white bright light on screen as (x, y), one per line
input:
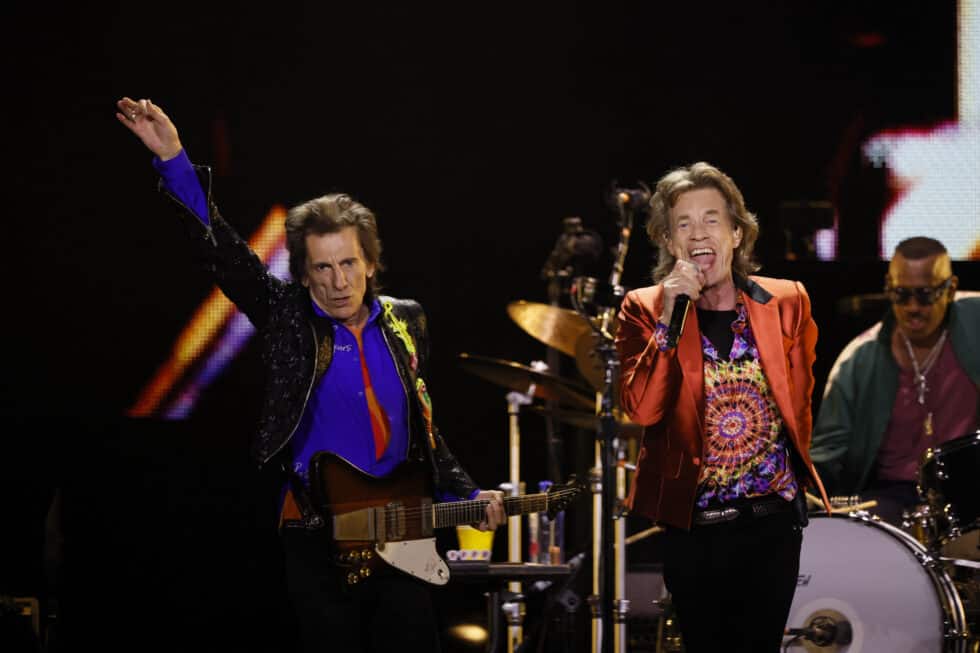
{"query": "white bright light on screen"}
(936, 172)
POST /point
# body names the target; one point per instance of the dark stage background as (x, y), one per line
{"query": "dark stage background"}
(472, 132)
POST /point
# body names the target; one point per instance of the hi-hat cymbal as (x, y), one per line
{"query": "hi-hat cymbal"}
(556, 327)
(587, 421)
(521, 378)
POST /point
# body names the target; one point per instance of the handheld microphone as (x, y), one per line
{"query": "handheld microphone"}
(677, 319)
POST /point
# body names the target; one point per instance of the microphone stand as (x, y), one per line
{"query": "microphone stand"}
(609, 606)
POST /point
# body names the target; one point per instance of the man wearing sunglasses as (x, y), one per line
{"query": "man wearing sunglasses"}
(910, 385)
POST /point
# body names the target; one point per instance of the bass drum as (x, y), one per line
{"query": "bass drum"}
(880, 581)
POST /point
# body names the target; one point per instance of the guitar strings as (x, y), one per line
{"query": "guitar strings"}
(476, 505)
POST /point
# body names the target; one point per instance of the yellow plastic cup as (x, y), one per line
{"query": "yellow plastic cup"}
(473, 539)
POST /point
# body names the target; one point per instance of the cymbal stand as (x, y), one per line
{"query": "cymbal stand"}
(515, 608)
(612, 604)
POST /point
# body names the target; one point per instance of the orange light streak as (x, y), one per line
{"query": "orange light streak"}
(206, 323)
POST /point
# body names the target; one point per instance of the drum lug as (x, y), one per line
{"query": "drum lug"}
(864, 516)
(951, 633)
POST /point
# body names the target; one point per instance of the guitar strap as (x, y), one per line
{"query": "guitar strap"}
(400, 329)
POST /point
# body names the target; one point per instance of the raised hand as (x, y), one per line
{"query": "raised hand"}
(151, 125)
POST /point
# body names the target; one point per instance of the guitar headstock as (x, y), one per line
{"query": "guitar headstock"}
(559, 496)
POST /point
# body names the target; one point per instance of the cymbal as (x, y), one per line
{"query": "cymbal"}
(521, 377)
(588, 421)
(556, 327)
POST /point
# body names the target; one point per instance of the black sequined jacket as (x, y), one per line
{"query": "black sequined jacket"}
(297, 345)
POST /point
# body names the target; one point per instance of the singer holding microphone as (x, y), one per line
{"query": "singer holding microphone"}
(717, 365)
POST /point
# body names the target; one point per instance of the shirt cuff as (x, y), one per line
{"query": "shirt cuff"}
(171, 168)
(660, 336)
(180, 179)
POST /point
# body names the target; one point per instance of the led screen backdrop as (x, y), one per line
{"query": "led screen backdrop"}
(932, 171)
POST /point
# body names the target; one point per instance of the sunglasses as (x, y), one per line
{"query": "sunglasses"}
(925, 296)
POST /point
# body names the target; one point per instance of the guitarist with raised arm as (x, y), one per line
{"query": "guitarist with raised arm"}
(346, 370)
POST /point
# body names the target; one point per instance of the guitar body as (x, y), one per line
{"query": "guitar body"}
(380, 523)
(377, 522)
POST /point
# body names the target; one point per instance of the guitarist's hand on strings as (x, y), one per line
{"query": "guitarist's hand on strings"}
(495, 510)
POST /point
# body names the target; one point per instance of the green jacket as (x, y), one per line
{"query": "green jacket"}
(858, 405)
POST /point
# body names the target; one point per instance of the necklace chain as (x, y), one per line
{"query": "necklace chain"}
(930, 360)
(920, 375)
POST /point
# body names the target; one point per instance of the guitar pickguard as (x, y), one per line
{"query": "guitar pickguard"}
(416, 557)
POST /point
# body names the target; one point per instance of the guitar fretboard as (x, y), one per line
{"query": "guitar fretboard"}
(455, 513)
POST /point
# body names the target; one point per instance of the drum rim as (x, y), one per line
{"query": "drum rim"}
(961, 442)
(955, 624)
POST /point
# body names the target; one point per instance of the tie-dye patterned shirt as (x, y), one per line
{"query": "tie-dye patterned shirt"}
(745, 451)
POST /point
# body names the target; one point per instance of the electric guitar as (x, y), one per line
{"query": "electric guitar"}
(390, 521)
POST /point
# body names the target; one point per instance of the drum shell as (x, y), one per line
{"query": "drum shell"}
(882, 582)
(948, 484)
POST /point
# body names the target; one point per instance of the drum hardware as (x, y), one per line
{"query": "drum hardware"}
(621, 608)
(895, 596)
(827, 628)
(589, 422)
(514, 609)
(575, 247)
(559, 329)
(573, 250)
(947, 484)
(591, 296)
(527, 380)
(668, 631)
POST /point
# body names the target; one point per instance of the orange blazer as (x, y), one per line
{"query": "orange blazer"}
(664, 391)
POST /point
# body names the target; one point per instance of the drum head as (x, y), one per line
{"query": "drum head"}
(867, 573)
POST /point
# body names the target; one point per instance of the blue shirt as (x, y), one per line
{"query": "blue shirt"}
(337, 418)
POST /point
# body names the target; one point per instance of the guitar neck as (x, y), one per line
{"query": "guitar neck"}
(456, 513)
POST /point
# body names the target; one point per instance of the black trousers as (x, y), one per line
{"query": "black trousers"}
(386, 612)
(732, 584)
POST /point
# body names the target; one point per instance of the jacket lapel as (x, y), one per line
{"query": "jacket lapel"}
(768, 332)
(691, 358)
